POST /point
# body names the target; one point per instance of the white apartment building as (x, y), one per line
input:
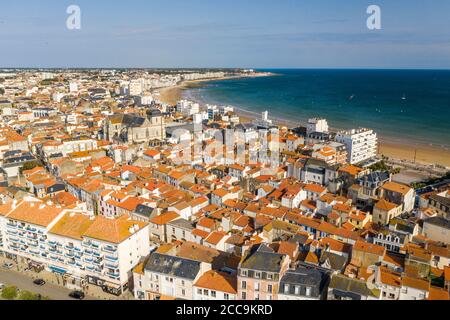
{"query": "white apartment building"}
(187, 108)
(136, 87)
(81, 248)
(361, 144)
(317, 125)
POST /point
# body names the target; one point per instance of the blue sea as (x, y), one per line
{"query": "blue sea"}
(407, 105)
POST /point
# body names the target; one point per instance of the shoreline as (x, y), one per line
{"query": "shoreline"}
(391, 147)
(171, 95)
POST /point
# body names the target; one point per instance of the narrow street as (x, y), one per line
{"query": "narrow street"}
(24, 282)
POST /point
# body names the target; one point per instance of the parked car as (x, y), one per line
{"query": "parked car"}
(79, 295)
(39, 282)
(7, 265)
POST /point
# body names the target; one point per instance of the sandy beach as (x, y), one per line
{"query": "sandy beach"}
(401, 150)
(424, 154)
(172, 95)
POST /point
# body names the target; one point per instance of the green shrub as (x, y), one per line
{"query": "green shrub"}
(9, 293)
(27, 295)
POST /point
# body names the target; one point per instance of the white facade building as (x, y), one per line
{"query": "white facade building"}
(361, 144)
(317, 125)
(80, 247)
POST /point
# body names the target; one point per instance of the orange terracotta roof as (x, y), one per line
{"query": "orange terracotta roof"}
(396, 187)
(369, 248)
(415, 283)
(72, 226)
(165, 218)
(112, 230)
(385, 205)
(218, 281)
(436, 293)
(37, 213)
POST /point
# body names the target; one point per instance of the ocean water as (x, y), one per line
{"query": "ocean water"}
(407, 105)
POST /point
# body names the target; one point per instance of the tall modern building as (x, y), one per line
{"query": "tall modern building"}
(361, 144)
(317, 125)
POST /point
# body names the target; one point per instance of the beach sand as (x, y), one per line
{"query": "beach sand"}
(392, 149)
(425, 154)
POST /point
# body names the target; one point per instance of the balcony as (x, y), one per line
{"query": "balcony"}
(97, 262)
(109, 249)
(112, 275)
(31, 229)
(112, 265)
(88, 260)
(112, 259)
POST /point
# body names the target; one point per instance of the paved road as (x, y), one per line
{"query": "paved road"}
(23, 282)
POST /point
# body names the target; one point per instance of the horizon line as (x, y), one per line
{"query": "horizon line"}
(228, 68)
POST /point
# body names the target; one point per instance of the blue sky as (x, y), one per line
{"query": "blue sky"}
(232, 33)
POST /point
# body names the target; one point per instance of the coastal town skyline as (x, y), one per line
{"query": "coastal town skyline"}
(233, 184)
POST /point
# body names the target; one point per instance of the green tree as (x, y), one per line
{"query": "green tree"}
(27, 295)
(9, 293)
(29, 166)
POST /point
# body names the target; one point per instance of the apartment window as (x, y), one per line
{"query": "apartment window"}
(297, 290)
(244, 285)
(269, 276)
(183, 292)
(226, 296)
(269, 288)
(286, 288)
(213, 294)
(244, 273)
(182, 283)
(199, 291)
(206, 292)
(244, 296)
(256, 286)
(257, 275)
